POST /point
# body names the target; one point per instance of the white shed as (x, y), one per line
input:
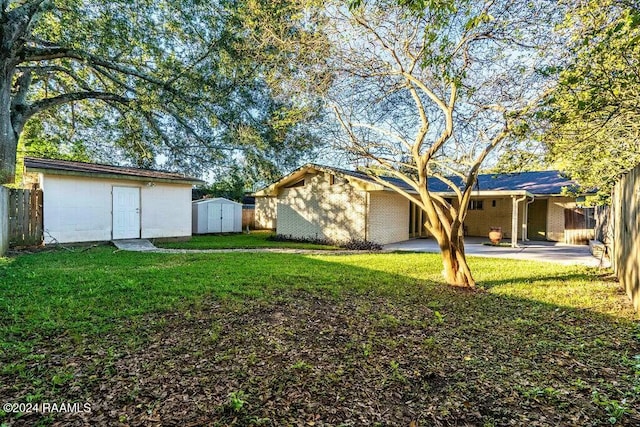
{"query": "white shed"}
(217, 215)
(85, 202)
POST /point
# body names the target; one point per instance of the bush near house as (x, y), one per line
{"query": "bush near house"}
(283, 339)
(254, 239)
(353, 244)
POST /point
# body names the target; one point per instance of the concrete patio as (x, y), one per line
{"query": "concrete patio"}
(536, 251)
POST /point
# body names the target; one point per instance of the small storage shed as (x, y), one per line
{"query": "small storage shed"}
(85, 202)
(218, 215)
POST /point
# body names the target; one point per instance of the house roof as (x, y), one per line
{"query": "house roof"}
(67, 167)
(540, 183)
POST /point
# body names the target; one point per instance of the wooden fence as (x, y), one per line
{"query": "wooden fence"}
(25, 217)
(579, 225)
(603, 229)
(4, 220)
(248, 217)
(625, 225)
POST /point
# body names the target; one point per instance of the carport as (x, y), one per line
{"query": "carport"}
(560, 253)
(495, 214)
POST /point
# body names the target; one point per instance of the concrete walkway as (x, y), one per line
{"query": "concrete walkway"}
(144, 245)
(535, 251)
(134, 245)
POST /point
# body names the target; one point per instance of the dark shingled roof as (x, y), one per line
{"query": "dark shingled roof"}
(99, 169)
(537, 183)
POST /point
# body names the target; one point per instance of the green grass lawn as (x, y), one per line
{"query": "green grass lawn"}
(256, 239)
(284, 339)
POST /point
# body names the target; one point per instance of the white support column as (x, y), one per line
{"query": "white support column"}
(514, 219)
(514, 222)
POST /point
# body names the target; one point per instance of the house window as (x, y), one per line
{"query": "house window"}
(296, 184)
(493, 203)
(475, 205)
(332, 179)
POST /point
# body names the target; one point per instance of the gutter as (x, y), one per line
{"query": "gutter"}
(114, 176)
(525, 229)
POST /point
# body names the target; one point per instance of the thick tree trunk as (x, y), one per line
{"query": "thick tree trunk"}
(13, 25)
(8, 137)
(456, 270)
(447, 232)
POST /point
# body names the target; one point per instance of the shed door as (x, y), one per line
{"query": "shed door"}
(214, 223)
(226, 219)
(126, 213)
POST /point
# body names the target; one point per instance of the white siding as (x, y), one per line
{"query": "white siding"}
(166, 210)
(75, 209)
(78, 209)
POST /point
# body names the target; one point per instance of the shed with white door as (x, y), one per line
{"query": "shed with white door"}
(217, 215)
(86, 202)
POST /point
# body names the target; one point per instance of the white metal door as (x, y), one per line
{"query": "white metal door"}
(126, 213)
(227, 218)
(214, 222)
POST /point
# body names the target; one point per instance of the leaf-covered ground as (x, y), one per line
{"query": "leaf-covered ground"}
(331, 340)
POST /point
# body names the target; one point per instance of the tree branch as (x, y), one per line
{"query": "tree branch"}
(34, 54)
(43, 104)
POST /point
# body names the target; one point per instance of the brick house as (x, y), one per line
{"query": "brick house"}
(338, 204)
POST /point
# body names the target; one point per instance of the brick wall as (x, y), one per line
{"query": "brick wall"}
(555, 217)
(479, 222)
(388, 217)
(322, 209)
(265, 213)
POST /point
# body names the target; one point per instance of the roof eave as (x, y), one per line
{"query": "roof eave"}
(114, 176)
(272, 190)
(487, 193)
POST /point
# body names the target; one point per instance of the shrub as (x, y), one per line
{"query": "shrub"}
(352, 244)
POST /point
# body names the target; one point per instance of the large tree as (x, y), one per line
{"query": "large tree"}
(139, 79)
(592, 119)
(431, 91)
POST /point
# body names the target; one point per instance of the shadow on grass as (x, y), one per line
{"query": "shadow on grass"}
(359, 339)
(529, 280)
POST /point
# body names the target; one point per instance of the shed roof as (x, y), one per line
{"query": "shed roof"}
(67, 167)
(540, 183)
(215, 200)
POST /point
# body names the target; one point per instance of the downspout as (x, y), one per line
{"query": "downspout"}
(525, 224)
(514, 219)
(367, 205)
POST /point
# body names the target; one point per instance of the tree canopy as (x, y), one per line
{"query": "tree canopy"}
(183, 81)
(592, 118)
(431, 89)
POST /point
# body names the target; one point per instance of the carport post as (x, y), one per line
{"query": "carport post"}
(514, 219)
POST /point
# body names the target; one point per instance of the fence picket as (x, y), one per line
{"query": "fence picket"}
(25, 217)
(624, 223)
